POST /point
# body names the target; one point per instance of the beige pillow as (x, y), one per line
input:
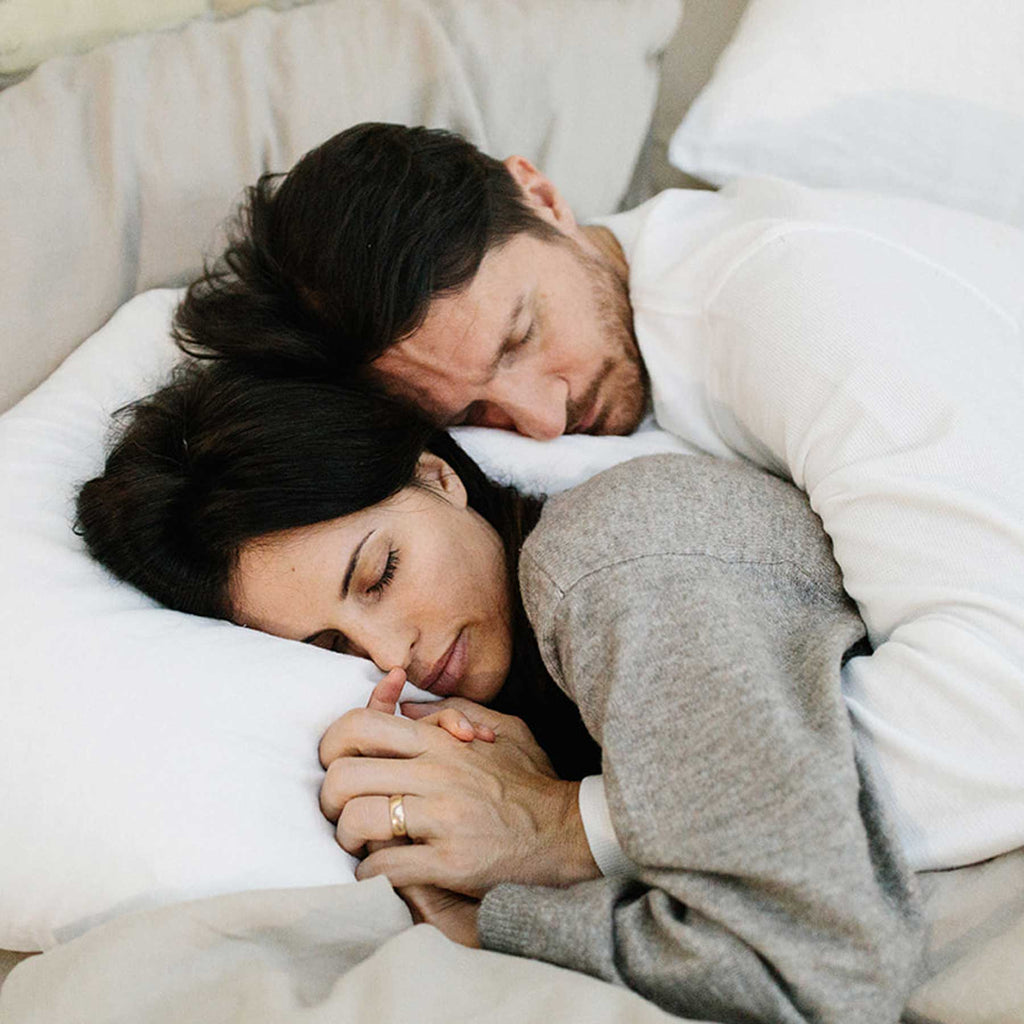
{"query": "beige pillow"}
(119, 165)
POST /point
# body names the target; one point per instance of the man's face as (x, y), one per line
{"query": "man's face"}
(540, 341)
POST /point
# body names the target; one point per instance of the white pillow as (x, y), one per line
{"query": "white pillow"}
(148, 756)
(922, 98)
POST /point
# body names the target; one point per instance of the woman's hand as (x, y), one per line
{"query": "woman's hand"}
(451, 913)
(385, 698)
(479, 813)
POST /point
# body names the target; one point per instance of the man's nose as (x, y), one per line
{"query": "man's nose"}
(534, 407)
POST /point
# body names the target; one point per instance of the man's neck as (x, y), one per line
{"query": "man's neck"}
(608, 247)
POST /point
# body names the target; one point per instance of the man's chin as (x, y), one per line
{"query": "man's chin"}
(609, 423)
(623, 417)
(616, 426)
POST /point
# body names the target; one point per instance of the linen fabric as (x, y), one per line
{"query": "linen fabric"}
(302, 956)
(330, 955)
(871, 350)
(924, 100)
(279, 956)
(692, 609)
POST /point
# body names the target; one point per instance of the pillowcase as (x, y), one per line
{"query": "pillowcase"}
(148, 756)
(149, 141)
(922, 98)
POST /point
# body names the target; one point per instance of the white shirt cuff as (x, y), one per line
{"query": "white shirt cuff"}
(597, 824)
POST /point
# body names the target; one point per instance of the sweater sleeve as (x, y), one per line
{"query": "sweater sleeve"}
(766, 888)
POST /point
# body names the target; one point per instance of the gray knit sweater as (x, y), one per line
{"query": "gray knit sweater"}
(692, 609)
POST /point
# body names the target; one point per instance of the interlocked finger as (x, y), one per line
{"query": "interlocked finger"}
(415, 864)
(456, 724)
(478, 714)
(350, 777)
(370, 733)
(366, 819)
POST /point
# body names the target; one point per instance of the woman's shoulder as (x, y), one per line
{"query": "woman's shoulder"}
(676, 504)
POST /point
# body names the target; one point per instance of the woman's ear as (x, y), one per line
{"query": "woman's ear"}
(434, 473)
(541, 195)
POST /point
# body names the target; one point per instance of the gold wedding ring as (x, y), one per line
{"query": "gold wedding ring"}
(397, 809)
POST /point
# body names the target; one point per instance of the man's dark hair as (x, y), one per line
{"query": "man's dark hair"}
(222, 456)
(333, 262)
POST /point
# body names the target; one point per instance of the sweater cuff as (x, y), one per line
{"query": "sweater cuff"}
(571, 927)
(597, 824)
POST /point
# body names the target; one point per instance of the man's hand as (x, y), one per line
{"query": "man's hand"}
(479, 813)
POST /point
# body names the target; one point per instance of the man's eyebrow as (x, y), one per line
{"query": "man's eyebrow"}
(510, 339)
(345, 583)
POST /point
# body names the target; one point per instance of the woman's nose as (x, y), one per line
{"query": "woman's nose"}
(387, 644)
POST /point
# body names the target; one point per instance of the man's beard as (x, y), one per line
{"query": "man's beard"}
(622, 376)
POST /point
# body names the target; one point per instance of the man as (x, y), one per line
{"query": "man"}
(868, 349)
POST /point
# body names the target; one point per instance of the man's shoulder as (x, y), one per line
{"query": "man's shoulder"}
(751, 220)
(683, 244)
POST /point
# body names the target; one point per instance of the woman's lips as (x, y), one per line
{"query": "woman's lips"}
(449, 669)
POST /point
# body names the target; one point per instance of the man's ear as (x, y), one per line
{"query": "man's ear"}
(541, 195)
(435, 474)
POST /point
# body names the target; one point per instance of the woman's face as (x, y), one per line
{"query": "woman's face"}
(418, 581)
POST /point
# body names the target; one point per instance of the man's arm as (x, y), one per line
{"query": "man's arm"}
(891, 390)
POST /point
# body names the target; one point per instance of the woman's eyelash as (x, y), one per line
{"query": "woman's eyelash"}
(388, 574)
(528, 335)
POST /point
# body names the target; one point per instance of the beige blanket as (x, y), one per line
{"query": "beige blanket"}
(302, 956)
(350, 953)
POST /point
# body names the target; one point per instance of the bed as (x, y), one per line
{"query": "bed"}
(127, 769)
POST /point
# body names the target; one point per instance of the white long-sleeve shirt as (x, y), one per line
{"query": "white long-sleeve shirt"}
(871, 350)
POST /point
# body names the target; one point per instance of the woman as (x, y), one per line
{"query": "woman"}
(691, 610)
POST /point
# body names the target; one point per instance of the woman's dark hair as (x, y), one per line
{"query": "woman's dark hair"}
(221, 456)
(333, 262)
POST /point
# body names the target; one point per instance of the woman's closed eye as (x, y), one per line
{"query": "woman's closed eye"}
(387, 574)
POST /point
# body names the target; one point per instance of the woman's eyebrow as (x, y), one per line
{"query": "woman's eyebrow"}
(352, 565)
(344, 583)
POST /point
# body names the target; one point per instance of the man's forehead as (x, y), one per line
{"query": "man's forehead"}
(435, 358)
(419, 384)
(449, 356)
(439, 348)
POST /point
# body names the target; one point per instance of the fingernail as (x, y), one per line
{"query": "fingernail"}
(464, 725)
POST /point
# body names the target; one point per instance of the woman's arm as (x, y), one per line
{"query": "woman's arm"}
(767, 888)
